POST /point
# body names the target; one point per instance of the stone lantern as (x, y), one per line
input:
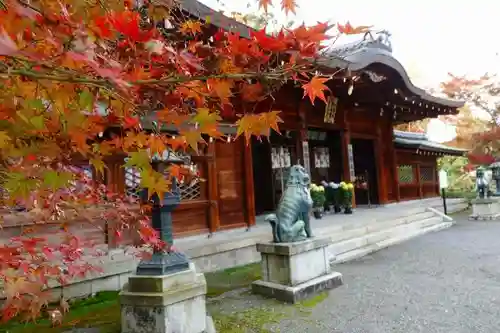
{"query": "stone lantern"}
(495, 174)
(162, 262)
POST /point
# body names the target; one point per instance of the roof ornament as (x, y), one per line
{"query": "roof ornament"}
(381, 39)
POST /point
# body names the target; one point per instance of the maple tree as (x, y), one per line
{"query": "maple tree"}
(77, 81)
(478, 123)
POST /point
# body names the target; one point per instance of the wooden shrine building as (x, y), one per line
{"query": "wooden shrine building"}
(351, 137)
(416, 161)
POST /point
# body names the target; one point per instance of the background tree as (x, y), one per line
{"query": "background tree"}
(77, 81)
(419, 126)
(478, 124)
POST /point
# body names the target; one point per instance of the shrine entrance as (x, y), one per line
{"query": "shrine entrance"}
(325, 156)
(271, 163)
(365, 171)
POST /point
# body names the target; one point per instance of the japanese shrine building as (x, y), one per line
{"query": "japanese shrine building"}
(350, 138)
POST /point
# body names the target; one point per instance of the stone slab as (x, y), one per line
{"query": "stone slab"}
(294, 294)
(159, 284)
(290, 267)
(171, 296)
(182, 317)
(484, 201)
(290, 249)
(492, 217)
(174, 303)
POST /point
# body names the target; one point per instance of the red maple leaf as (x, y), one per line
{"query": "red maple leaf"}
(128, 24)
(316, 88)
(276, 43)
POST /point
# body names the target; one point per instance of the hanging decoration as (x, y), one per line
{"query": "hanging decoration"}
(330, 110)
(321, 157)
(280, 157)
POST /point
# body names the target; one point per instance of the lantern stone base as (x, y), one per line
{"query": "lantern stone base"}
(292, 272)
(485, 209)
(165, 304)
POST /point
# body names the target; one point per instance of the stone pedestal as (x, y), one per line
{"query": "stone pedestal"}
(295, 271)
(173, 303)
(485, 209)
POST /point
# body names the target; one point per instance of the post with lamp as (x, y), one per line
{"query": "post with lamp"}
(166, 294)
(443, 185)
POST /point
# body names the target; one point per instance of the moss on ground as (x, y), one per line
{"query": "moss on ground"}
(103, 310)
(231, 279)
(254, 320)
(313, 301)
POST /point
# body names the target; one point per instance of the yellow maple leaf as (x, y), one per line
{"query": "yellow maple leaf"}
(191, 27)
(205, 117)
(156, 144)
(98, 165)
(220, 88)
(258, 124)
(155, 182)
(4, 139)
(192, 138)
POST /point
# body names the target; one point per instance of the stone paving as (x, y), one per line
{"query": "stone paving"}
(442, 282)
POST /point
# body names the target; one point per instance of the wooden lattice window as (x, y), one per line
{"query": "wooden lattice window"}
(188, 191)
(132, 182)
(406, 174)
(427, 174)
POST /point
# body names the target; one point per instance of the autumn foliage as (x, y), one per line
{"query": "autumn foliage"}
(480, 133)
(81, 80)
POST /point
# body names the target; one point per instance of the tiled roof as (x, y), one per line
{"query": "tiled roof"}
(421, 141)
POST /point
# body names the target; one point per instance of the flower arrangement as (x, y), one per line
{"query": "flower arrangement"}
(317, 195)
(346, 196)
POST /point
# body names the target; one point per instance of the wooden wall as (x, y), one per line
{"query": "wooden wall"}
(224, 199)
(417, 175)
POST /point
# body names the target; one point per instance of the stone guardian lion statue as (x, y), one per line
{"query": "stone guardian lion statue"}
(290, 223)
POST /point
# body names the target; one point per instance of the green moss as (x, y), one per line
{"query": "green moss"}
(102, 311)
(231, 279)
(253, 320)
(313, 301)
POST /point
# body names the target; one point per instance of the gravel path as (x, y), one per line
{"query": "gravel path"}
(446, 282)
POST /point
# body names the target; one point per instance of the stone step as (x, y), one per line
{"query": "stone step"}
(348, 240)
(368, 239)
(347, 232)
(361, 252)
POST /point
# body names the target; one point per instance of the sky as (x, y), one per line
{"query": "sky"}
(429, 37)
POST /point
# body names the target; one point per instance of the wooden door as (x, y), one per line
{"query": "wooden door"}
(230, 179)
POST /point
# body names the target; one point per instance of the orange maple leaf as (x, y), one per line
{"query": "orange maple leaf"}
(264, 4)
(220, 88)
(289, 6)
(348, 29)
(316, 88)
(191, 27)
(156, 144)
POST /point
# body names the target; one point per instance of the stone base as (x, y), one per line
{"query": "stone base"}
(485, 209)
(294, 294)
(295, 271)
(165, 304)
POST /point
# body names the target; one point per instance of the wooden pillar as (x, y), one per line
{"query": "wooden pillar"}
(395, 175)
(302, 134)
(249, 183)
(213, 215)
(380, 164)
(346, 140)
(419, 182)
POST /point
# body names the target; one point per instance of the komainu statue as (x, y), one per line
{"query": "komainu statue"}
(482, 183)
(290, 223)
